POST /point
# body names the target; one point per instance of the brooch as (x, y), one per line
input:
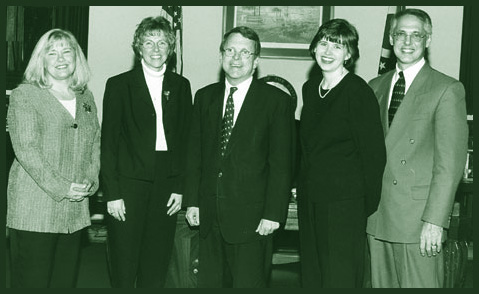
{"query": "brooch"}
(167, 95)
(87, 107)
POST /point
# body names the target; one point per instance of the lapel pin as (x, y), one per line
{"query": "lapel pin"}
(87, 107)
(167, 95)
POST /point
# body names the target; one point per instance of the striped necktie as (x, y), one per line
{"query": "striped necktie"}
(397, 96)
(227, 125)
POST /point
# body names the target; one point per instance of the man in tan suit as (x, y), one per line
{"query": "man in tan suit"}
(424, 119)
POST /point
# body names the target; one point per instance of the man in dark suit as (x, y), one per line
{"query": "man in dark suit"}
(424, 119)
(239, 168)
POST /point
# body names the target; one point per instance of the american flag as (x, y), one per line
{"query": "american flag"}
(175, 16)
(387, 61)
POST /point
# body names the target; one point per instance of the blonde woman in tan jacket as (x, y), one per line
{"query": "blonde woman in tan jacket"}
(55, 134)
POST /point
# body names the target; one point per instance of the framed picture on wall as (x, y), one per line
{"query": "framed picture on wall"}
(284, 31)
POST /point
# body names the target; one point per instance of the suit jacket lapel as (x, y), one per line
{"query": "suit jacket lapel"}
(383, 99)
(408, 107)
(52, 104)
(245, 116)
(166, 96)
(139, 87)
(81, 106)
(83, 109)
(215, 111)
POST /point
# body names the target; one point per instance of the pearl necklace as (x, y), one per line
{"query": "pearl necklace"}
(343, 73)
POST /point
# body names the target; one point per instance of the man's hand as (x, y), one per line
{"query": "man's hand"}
(267, 227)
(193, 216)
(117, 209)
(174, 203)
(431, 239)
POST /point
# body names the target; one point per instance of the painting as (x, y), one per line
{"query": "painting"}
(284, 31)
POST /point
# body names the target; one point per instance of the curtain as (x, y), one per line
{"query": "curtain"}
(74, 19)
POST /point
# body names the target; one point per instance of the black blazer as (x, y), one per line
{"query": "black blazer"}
(253, 179)
(129, 129)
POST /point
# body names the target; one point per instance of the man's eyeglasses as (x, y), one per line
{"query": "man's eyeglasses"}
(243, 53)
(402, 36)
(150, 45)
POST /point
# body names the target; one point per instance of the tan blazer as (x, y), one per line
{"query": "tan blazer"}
(426, 152)
(52, 150)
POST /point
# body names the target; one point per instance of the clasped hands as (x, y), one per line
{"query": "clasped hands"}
(78, 191)
(431, 239)
(117, 209)
(264, 228)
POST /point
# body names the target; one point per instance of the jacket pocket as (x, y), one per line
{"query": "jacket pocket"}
(420, 192)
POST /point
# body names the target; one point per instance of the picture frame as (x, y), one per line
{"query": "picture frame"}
(285, 31)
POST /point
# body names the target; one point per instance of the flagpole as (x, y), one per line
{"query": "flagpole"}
(174, 15)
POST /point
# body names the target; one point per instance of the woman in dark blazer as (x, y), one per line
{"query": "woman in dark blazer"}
(145, 125)
(55, 134)
(343, 158)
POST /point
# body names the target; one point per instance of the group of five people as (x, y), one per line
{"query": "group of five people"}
(379, 163)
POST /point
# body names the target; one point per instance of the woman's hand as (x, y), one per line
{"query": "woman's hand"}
(174, 203)
(117, 209)
(78, 192)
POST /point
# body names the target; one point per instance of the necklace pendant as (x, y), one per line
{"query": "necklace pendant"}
(321, 95)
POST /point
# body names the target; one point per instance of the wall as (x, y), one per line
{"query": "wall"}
(109, 43)
(111, 32)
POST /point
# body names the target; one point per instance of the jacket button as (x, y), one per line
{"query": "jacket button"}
(403, 162)
(220, 174)
(395, 182)
(152, 114)
(411, 141)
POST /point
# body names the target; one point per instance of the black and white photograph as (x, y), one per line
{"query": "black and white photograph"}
(238, 146)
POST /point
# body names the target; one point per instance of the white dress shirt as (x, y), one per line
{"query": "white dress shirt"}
(238, 96)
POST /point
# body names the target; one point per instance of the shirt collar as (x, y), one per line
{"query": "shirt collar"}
(411, 72)
(242, 87)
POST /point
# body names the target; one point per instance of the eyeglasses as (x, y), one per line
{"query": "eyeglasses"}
(243, 53)
(150, 45)
(415, 37)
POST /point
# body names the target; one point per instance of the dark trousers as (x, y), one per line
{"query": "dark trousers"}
(44, 260)
(139, 249)
(222, 264)
(332, 240)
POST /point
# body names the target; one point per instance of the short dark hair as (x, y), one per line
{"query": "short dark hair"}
(338, 31)
(246, 32)
(153, 24)
(421, 14)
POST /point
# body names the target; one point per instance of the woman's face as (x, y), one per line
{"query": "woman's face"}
(59, 61)
(330, 56)
(155, 50)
